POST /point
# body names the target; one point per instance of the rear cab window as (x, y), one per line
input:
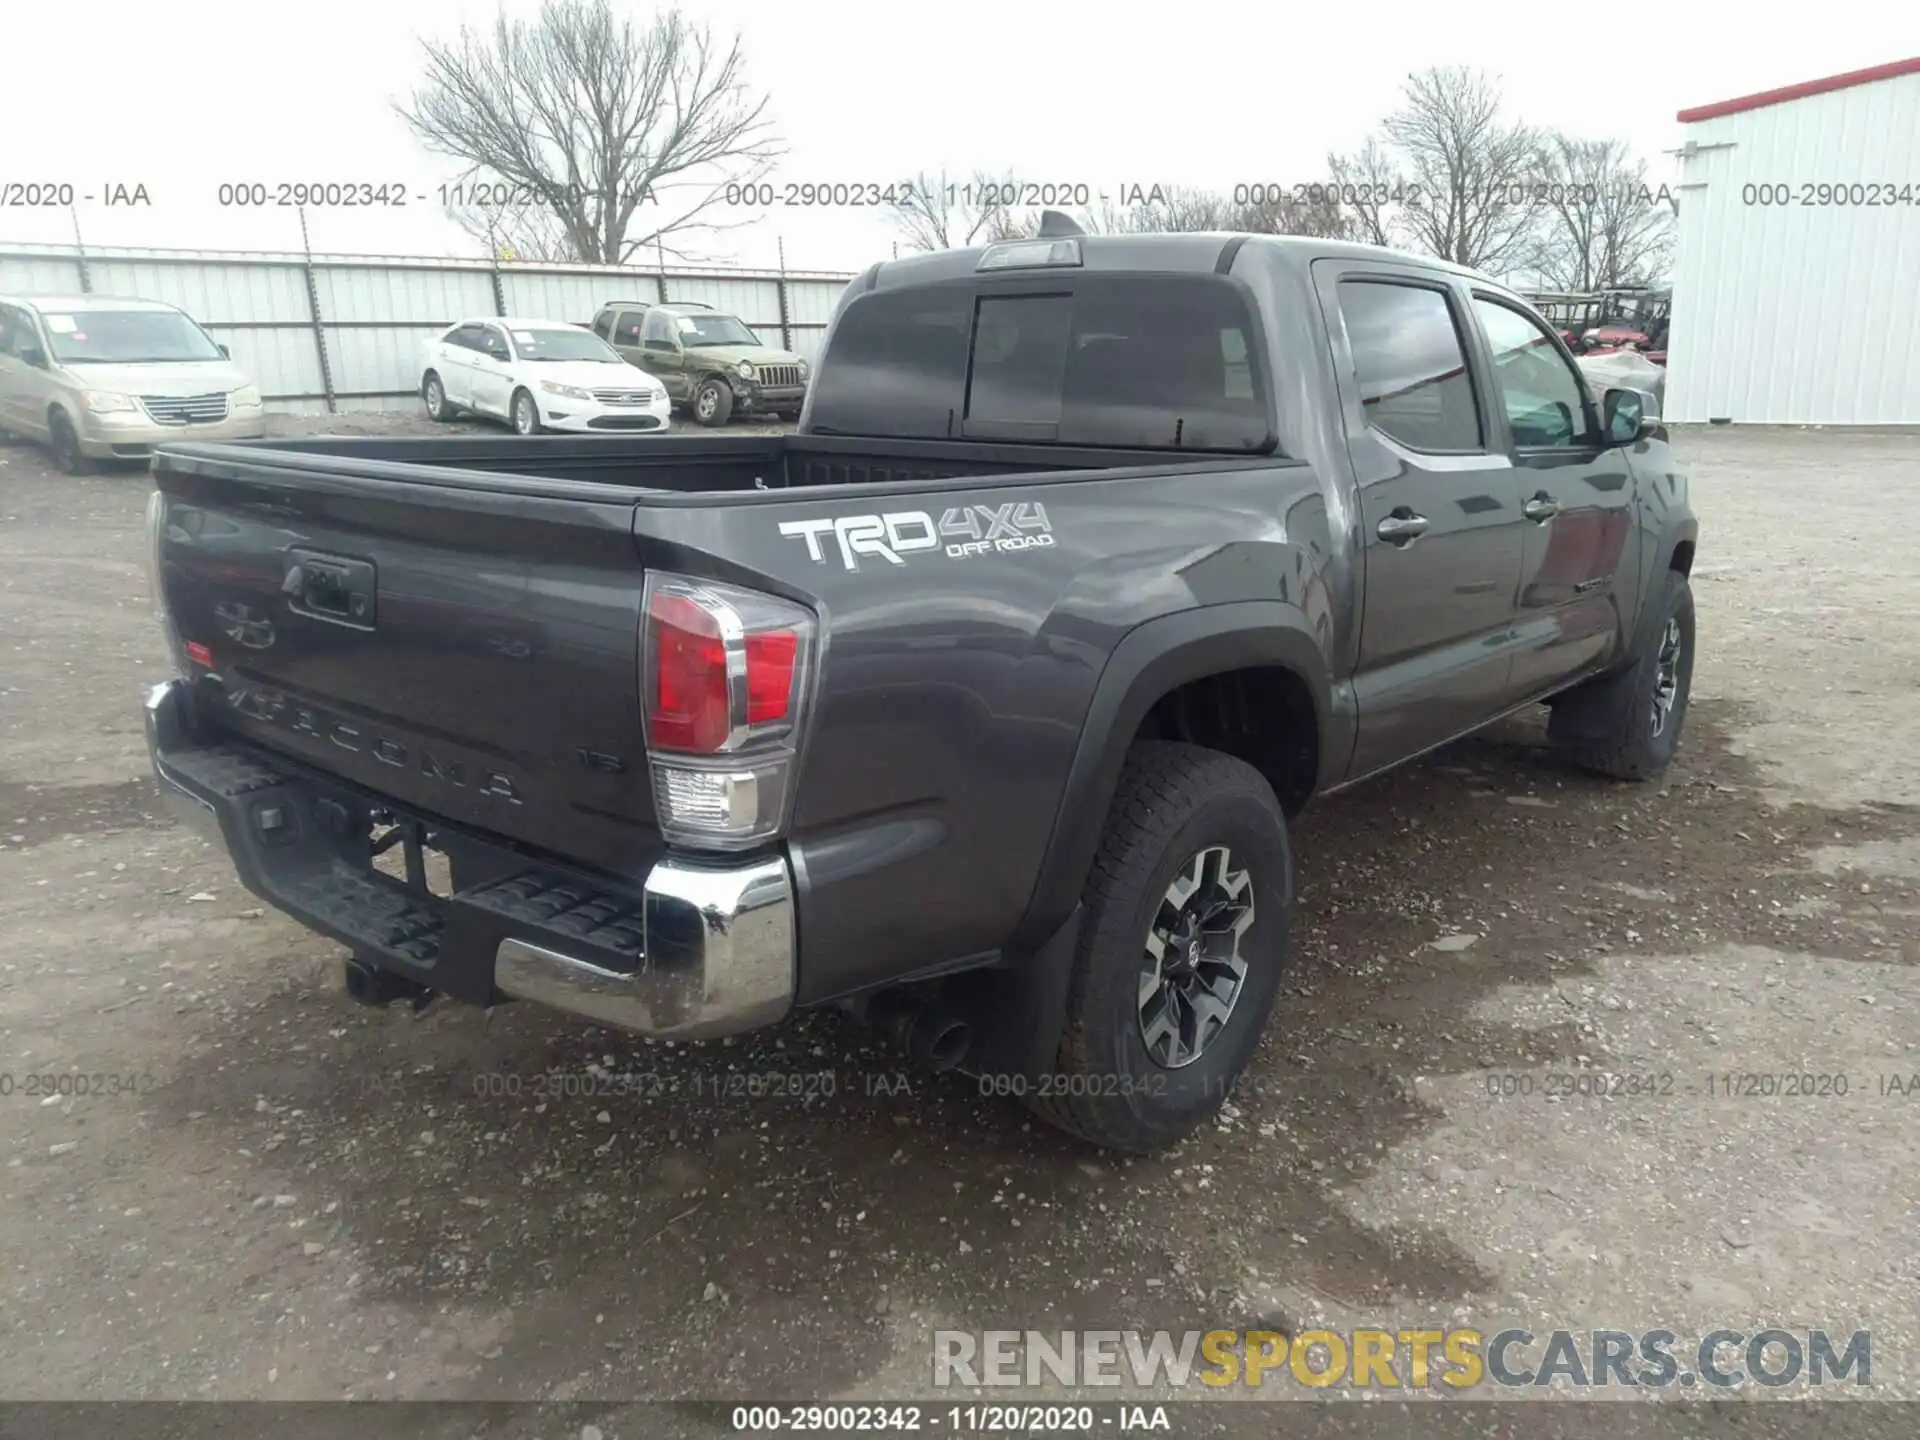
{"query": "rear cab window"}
(1127, 359)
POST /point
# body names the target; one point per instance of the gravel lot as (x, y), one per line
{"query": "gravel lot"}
(301, 1198)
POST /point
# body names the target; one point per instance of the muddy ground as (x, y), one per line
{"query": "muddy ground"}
(285, 1196)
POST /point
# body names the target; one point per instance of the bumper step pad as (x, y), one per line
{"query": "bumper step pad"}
(375, 913)
(567, 908)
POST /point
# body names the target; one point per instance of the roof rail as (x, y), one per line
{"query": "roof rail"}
(649, 304)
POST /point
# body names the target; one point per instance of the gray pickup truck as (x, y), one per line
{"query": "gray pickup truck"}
(979, 706)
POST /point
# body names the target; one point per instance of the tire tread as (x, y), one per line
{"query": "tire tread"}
(1600, 728)
(1151, 802)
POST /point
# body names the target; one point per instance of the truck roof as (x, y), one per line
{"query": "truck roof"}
(1199, 253)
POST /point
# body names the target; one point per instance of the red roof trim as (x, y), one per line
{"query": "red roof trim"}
(1802, 90)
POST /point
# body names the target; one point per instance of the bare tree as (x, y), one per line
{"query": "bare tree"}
(1603, 225)
(1319, 212)
(626, 133)
(941, 213)
(519, 229)
(1372, 190)
(1188, 209)
(1174, 209)
(1473, 190)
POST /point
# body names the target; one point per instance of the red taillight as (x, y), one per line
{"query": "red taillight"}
(199, 654)
(723, 668)
(688, 708)
(725, 674)
(770, 662)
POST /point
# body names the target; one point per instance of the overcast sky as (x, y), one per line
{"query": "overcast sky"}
(185, 95)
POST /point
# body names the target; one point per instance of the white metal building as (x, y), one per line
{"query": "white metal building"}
(1796, 286)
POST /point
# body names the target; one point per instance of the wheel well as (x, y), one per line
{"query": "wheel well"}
(1263, 715)
(1682, 558)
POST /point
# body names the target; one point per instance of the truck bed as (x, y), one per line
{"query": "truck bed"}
(696, 465)
(493, 639)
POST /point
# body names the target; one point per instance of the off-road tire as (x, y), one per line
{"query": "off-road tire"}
(1607, 725)
(722, 407)
(1173, 801)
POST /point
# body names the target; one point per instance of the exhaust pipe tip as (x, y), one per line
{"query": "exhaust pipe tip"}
(932, 1039)
(939, 1042)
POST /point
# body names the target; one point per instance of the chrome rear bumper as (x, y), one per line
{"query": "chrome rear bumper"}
(716, 941)
(719, 957)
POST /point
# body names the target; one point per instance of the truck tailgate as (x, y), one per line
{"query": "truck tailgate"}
(470, 653)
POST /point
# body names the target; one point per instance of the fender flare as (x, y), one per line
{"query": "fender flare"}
(1682, 531)
(1151, 660)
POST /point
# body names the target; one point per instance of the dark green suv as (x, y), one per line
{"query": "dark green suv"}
(713, 366)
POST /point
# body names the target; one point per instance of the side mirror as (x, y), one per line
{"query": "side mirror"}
(33, 355)
(225, 353)
(1631, 415)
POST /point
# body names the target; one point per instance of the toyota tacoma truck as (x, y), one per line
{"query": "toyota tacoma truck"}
(979, 706)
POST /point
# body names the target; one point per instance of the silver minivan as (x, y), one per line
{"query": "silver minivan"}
(93, 377)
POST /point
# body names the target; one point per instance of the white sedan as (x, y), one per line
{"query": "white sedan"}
(538, 375)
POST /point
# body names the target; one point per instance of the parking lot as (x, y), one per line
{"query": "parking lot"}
(290, 1196)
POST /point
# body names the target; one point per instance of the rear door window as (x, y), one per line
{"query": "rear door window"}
(1410, 365)
(626, 330)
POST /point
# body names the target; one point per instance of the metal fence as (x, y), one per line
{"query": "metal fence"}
(330, 334)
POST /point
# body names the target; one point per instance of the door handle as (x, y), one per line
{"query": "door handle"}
(1402, 527)
(1541, 508)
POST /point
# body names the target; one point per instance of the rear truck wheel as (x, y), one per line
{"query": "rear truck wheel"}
(64, 441)
(713, 402)
(526, 415)
(435, 394)
(1180, 952)
(1628, 725)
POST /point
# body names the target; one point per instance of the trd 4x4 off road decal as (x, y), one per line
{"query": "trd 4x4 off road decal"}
(963, 532)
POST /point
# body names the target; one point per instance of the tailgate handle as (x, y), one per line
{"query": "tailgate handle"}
(332, 588)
